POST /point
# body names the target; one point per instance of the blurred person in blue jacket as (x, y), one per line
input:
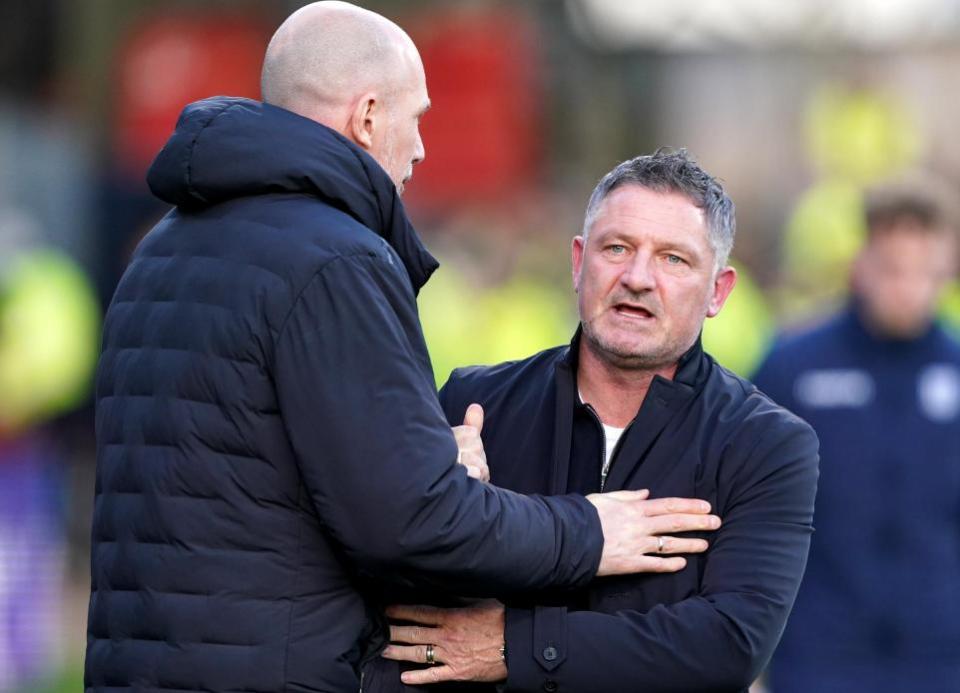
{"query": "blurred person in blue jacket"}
(879, 608)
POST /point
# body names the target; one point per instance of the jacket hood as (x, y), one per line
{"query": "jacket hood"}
(226, 147)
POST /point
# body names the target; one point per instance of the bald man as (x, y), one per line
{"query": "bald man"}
(270, 447)
(352, 70)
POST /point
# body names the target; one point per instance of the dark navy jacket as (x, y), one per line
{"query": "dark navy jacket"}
(879, 609)
(268, 430)
(706, 434)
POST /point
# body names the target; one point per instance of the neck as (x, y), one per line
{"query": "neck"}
(615, 393)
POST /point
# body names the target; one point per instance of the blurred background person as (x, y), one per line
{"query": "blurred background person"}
(879, 608)
(49, 321)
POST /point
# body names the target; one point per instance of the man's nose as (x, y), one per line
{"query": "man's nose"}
(419, 153)
(639, 275)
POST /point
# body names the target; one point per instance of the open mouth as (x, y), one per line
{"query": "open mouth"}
(632, 311)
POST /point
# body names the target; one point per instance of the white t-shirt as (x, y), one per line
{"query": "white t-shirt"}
(612, 435)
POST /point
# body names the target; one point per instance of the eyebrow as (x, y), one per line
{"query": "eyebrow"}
(683, 248)
(615, 234)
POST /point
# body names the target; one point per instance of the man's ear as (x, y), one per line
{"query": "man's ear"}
(722, 286)
(576, 260)
(363, 120)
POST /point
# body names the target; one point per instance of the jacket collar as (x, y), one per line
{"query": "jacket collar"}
(692, 369)
(224, 148)
(664, 400)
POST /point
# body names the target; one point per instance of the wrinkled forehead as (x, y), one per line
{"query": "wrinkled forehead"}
(636, 207)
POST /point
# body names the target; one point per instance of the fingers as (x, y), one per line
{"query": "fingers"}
(427, 615)
(631, 525)
(428, 675)
(476, 465)
(471, 453)
(467, 437)
(474, 417)
(640, 495)
(677, 524)
(675, 545)
(470, 446)
(481, 473)
(409, 653)
(651, 564)
(413, 635)
(671, 506)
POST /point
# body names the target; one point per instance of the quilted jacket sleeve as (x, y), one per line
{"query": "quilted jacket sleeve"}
(379, 460)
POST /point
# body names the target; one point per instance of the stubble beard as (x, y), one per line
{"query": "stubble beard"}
(624, 358)
(399, 177)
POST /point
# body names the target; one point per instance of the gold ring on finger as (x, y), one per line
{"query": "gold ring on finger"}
(431, 655)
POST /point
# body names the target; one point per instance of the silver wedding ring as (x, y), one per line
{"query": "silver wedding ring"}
(659, 544)
(431, 655)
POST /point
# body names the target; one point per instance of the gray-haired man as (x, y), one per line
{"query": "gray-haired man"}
(634, 403)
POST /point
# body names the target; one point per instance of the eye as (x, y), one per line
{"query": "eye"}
(675, 260)
(616, 249)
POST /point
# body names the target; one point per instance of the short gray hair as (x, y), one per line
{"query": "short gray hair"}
(668, 170)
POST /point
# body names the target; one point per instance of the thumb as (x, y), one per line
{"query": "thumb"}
(474, 417)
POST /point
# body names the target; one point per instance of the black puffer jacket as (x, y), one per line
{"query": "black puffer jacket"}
(269, 436)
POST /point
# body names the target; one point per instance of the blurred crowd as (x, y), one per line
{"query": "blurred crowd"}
(537, 100)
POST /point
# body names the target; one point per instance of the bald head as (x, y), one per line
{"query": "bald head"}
(355, 71)
(326, 54)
